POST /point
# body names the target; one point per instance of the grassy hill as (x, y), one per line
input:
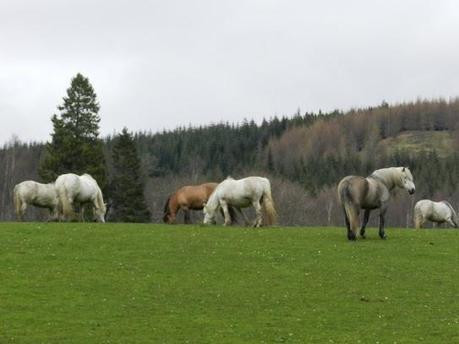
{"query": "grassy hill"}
(121, 283)
(420, 141)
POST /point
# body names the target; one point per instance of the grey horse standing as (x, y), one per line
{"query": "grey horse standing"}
(372, 192)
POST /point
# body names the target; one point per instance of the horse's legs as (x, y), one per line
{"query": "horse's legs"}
(53, 214)
(81, 215)
(418, 222)
(258, 219)
(226, 214)
(71, 216)
(246, 220)
(366, 217)
(382, 235)
(22, 211)
(186, 216)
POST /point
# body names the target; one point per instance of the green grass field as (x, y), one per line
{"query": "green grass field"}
(124, 283)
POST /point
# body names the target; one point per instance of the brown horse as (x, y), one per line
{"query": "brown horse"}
(370, 193)
(190, 197)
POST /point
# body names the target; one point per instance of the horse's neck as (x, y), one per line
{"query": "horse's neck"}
(173, 204)
(213, 201)
(386, 176)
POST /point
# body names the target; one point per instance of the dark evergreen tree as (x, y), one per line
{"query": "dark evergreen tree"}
(75, 146)
(127, 197)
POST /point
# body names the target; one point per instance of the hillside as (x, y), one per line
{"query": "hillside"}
(304, 155)
(416, 142)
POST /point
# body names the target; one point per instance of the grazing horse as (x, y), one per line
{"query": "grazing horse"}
(37, 194)
(190, 197)
(439, 212)
(242, 193)
(73, 189)
(373, 192)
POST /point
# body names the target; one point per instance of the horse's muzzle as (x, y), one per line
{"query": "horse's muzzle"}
(411, 191)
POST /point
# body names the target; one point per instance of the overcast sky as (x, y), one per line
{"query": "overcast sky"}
(161, 64)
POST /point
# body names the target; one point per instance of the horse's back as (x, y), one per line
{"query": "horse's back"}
(195, 195)
(423, 204)
(353, 188)
(26, 190)
(82, 188)
(433, 211)
(66, 180)
(36, 193)
(246, 188)
(25, 185)
(255, 183)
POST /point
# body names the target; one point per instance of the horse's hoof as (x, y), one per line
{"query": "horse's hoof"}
(383, 237)
(363, 236)
(351, 236)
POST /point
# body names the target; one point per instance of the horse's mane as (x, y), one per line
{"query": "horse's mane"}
(166, 209)
(449, 206)
(87, 175)
(387, 175)
(212, 201)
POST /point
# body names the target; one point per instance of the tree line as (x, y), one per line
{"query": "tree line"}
(306, 154)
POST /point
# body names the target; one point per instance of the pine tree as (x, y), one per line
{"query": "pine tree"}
(128, 201)
(75, 146)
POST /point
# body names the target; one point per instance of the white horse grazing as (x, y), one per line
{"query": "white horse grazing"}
(83, 189)
(37, 194)
(242, 193)
(439, 212)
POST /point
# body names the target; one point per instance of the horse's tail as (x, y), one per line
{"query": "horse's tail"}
(347, 202)
(268, 206)
(167, 210)
(17, 202)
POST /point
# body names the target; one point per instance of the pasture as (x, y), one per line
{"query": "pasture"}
(126, 283)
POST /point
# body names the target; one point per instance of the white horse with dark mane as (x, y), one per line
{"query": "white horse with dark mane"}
(373, 192)
(439, 212)
(36, 194)
(242, 193)
(73, 189)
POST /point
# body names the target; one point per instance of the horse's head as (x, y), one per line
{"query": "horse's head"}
(406, 180)
(209, 215)
(99, 213)
(456, 220)
(168, 218)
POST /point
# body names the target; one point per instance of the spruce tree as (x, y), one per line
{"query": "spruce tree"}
(127, 197)
(75, 146)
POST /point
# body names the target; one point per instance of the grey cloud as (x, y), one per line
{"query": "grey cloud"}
(160, 64)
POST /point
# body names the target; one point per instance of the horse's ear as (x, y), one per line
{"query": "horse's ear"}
(403, 170)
